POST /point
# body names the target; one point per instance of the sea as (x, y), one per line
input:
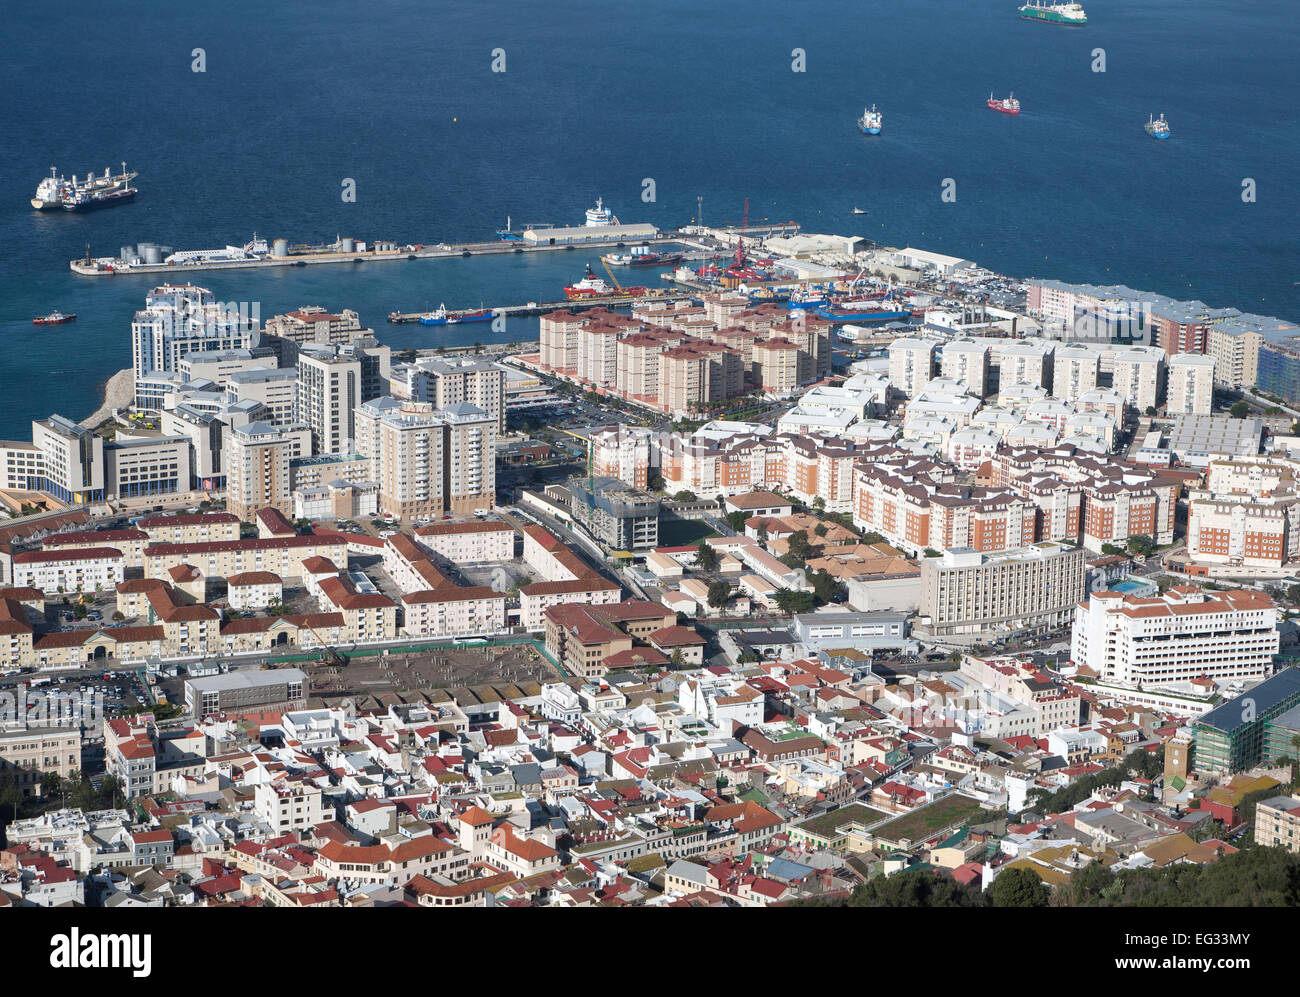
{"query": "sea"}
(649, 106)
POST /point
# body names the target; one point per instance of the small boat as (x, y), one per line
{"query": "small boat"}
(1157, 127)
(857, 211)
(54, 318)
(1007, 105)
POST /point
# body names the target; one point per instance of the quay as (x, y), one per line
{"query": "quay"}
(542, 308)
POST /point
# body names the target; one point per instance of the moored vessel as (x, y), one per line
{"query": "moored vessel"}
(592, 286)
(444, 317)
(643, 256)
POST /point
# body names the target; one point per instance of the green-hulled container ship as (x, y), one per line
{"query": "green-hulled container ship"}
(1069, 14)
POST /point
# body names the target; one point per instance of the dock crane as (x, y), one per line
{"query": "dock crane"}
(613, 280)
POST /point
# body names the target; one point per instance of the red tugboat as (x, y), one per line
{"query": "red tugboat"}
(54, 318)
(1007, 105)
(592, 286)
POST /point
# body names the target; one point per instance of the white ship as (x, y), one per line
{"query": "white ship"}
(600, 215)
(56, 191)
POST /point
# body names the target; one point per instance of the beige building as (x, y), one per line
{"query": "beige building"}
(776, 366)
(1236, 354)
(477, 542)
(257, 459)
(453, 610)
(1075, 370)
(313, 324)
(1138, 373)
(967, 362)
(27, 754)
(1277, 822)
(446, 381)
(221, 559)
(191, 528)
(969, 595)
(275, 389)
(328, 393)
(911, 365)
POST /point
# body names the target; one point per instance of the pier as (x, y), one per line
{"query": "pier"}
(104, 266)
(542, 308)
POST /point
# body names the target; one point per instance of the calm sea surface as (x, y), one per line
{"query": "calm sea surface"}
(596, 97)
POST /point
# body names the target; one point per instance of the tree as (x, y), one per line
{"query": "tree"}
(118, 616)
(931, 552)
(719, 594)
(819, 505)
(798, 545)
(685, 495)
(872, 537)
(826, 586)
(820, 529)
(1110, 550)
(706, 558)
(789, 601)
(1018, 887)
(1151, 410)
(736, 520)
(1141, 545)
(1240, 410)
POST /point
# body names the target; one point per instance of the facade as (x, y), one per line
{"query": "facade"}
(327, 393)
(443, 382)
(273, 389)
(1183, 635)
(69, 569)
(257, 460)
(1231, 737)
(28, 754)
(618, 515)
(72, 460)
(911, 365)
(1191, 384)
(973, 596)
(478, 542)
(146, 466)
(181, 319)
(199, 527)
(277, 690)
(1277, 822)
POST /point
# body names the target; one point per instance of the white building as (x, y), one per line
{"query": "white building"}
(911, 365)
(1184, 634)
(1191, 384)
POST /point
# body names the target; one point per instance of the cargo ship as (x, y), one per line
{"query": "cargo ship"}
(1069, 14)
(871, 121)
(592, 286)
(1007, 105)
(444, 317)
(643, 256)
(868, 310)
(1157, 127)
(54, 318)
(56, 191)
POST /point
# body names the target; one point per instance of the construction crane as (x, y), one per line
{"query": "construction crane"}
(740, 243)
(591, 464)
(328, 655)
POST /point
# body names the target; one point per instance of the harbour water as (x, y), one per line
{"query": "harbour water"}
(400, 98)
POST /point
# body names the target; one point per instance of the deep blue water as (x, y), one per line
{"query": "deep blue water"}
(701, 97)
